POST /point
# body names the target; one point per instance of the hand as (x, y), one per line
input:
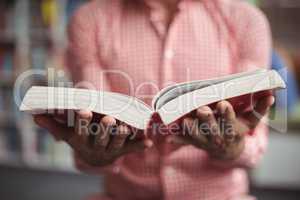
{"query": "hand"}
(98, 144)
(222, 133)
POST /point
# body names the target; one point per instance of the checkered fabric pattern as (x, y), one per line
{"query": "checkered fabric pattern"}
(206, 39)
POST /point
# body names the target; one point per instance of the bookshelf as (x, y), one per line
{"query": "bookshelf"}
(32, 37)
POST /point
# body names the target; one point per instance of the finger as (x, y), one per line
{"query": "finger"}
(107, 128)
(260, 110)
(83, 119)
(261, 94)
(78, 141)
(136, 146)
(62, 115)
(119, 139)
(263, 105)
(56, 129)
(209, 125)
(59, 131)
(192, 130)
(228, 117)
(179, 140)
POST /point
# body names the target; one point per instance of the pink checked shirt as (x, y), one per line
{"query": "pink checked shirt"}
(124, 46)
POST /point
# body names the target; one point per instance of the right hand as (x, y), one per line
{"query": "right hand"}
(97, 148)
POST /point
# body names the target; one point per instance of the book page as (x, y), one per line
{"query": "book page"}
(171, 92)
(124, 108)
(184, 104)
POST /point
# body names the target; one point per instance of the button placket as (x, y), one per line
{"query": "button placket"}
(169, 52)
(156, 19)
(168, 176)
(168, 56)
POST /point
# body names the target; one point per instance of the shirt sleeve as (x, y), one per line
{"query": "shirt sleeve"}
(253, 36)
(84, 65)
(254, 51)
(82, 56)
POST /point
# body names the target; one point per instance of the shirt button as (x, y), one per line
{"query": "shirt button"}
(116, 169)
(169, 54)
(170, 171)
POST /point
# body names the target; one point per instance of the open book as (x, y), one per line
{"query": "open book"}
(171, 103)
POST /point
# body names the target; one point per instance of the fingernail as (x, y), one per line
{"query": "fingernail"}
(148, 143)
(85, 114)
(272, 101)
(107, 120)
(218, 141)
(230, 138)
(226, 110)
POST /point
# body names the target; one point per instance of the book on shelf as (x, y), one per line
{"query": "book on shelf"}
(25, 38)
(171, 103)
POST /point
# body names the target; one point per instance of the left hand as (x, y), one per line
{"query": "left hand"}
(222, 134)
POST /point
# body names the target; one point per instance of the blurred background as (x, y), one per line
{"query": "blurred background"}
(34, 166)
